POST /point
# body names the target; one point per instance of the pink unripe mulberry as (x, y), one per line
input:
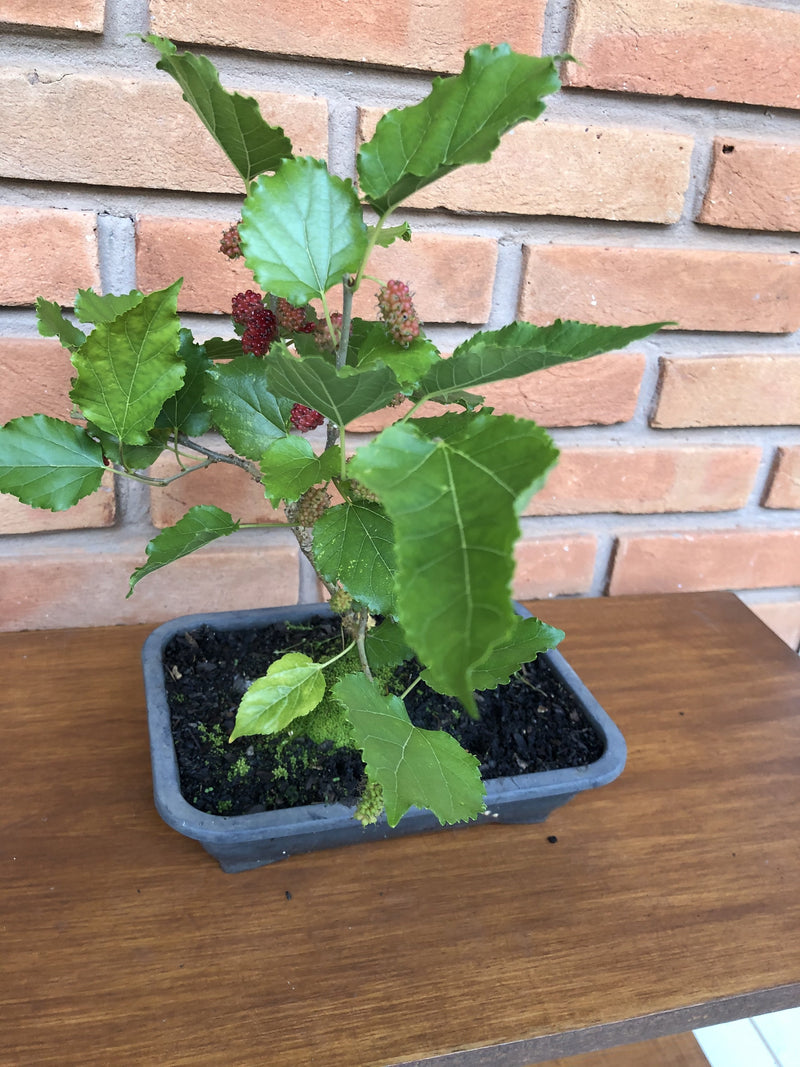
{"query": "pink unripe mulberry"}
(398, 312)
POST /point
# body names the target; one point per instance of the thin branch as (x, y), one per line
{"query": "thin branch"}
(220, 457)
(360, 645)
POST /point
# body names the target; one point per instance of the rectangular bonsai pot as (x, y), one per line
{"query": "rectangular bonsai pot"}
(241, 842)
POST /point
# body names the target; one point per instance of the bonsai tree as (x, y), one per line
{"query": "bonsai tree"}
(417, 555)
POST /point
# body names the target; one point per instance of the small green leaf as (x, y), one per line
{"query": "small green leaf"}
(527, 640)
(424, 768)
(48, 463)
(233, 120)
(290, 466)
(223, 347)
(131, 457)
(246, 413)
(198, 527)
(52, 322)
(293, 686)
(302, 230)
(339, 395)
(186, 411)
(353, 544)
(89, 307)
(386, 645)
(128, 367)
(460, 121)
(469, 476)
(521, 348)
(387, 235)
(408, 363)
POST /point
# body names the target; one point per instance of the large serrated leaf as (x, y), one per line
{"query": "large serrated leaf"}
(302, 230)
(248, 415)
(52, 322)
(423, 768)
(290, 466)
(292, 686)
(233, 120)
(93, 308)
(127, 368)
(339, 395)
(521, 348)
(354, 545)
(453, 487)
(198, 527)
(186, 411)
(48, 463)
(460, 121)
(527, 640)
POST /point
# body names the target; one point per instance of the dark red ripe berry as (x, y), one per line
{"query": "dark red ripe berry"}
(305, 419)
(230, 245)
(243, 305)
(260, 333)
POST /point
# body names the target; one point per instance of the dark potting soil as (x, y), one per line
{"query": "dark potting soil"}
(531, 724)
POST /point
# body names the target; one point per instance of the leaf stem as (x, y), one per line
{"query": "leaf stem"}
(360, 643)
(410, 687)
(160, 482)
(371, 242)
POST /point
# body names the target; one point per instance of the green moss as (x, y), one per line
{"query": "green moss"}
(240, 769)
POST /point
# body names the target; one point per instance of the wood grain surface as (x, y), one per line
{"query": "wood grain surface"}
(669, 900)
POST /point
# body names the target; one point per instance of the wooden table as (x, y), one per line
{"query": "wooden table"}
(670, 899)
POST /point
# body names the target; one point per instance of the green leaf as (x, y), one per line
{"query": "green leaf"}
(233, 120)
(290, 466)
(302, 230)
(198, 527)
(223, 347)
(521, 348)
(453, 487)
(186, 411)
(339, 395)
(127, 368)
(460, 121)
(387, 235)
(293, 686)
(244, 410)
(48, 463)
(386, 645)
(527, 640)
(131, 457)
(425, 768)
(89, 307)
(353, 544)
(53, 323)
(408, 363)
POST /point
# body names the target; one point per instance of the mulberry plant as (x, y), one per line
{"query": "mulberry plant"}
(413, 535)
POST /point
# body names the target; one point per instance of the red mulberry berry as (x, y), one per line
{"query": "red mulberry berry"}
(291, 318)
(305, 419)
(398, 312)
(230, 245)
(243, 305)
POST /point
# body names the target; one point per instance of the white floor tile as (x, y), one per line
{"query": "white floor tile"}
(781, 1032)
(736, 1044)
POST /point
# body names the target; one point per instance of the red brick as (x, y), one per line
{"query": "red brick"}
(85, 585)
(784, 487)
(96, 510)
(46, 253)
(84, 15)
(694, 48)
(554, 566)
(36, 375)
(699, 289)
(747, 390)
(603, 172)
(705, 559)
(598, 391)
(410, 33)
(51, 132)
(222, 484)
(169, 248)
(643, 480)
(753, 186)
(783, 617)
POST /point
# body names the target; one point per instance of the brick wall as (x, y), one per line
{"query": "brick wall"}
(663, 182)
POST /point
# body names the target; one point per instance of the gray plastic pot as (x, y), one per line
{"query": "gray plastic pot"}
(243, 841)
